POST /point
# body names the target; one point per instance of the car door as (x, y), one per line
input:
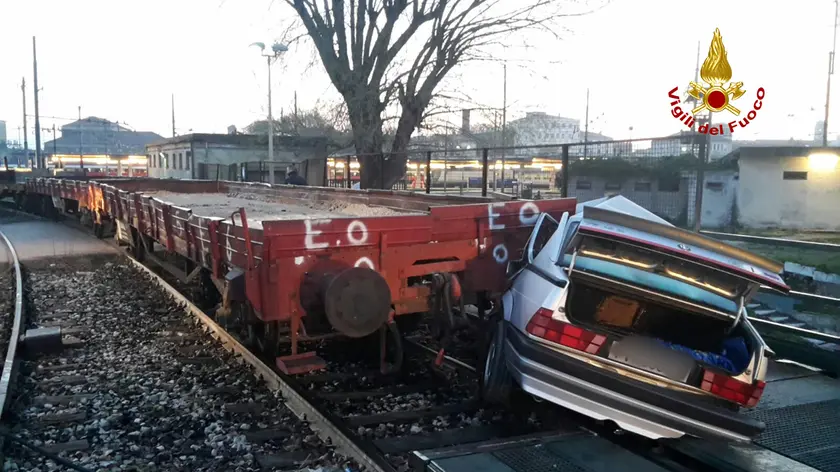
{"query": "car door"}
(535, 279)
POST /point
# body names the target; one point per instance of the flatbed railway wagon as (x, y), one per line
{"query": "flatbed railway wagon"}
(298, 264)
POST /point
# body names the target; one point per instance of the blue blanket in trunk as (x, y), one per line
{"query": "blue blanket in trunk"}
(734, 359)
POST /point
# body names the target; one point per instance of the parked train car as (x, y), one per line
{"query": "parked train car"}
(297, 278)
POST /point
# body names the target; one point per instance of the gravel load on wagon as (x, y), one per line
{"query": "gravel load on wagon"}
(260, 208)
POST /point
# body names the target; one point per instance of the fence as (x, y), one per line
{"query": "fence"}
(660, 174)
(259, 171)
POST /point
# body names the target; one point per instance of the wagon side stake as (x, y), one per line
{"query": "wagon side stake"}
(390, 328)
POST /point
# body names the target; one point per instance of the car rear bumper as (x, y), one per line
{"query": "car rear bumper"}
(602, 394)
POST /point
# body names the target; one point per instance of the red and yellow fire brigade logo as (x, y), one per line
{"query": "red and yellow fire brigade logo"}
(717, 95)
(716, 72)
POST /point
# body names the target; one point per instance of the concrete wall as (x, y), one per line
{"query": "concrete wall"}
(676, 206)
(224, 155)
(669, 200)
(719, 196)
(766, 198)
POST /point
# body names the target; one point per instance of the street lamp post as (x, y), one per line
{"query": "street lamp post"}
(830, 73)
(276, 51)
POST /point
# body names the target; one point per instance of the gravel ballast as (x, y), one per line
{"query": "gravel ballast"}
(144, 387)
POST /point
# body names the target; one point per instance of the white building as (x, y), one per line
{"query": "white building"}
(540, 128)
(719, 146)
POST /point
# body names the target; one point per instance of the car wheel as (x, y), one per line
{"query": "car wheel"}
(495, 380)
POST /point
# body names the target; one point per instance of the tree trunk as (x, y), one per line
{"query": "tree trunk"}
(395, 164)
(364, 108)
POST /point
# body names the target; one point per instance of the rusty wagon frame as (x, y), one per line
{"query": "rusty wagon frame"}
(290, 276)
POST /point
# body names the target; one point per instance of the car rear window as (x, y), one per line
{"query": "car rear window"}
(649, 280)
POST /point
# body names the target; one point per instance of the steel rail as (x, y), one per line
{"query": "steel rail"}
(9, 365)
(748, 238)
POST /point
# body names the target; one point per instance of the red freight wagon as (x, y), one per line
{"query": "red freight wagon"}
(318, 269)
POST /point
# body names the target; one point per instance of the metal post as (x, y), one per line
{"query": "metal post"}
(428, 171)
(830, 73)
(504, 126)
(347, 173)
(173, 115)
(81, 153)
(586, 126)
(484, 153)
(55, 142)
(38, 157)
(445, 156)
(564, 176)
(701, 177)
(25, 132)
(270, 129)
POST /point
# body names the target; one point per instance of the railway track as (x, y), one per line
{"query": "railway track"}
(387, 418)
(135, 384)
(361, 417)
(376, 421)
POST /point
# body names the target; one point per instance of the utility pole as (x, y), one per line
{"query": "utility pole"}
(81, 153)
(504, 127)
(696, 81)
(55, 141)
(296, 113)
(830, 73)
(445, 155)
(25, 131)
(270, 128)
(38, 157)
(586, 126)
(173, 115)
(702, 141)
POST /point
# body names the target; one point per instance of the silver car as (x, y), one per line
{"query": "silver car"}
(618, 315)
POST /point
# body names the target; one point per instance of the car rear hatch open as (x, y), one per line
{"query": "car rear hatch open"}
(677, 247)
(669, 301)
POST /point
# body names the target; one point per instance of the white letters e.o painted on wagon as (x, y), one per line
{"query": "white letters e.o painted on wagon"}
(500, 253)
(529, 213)
(357, 226)
(309, 240)
(366, 262)
(491, 216)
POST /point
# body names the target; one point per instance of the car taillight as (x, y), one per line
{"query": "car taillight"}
(542, 325)
(726, 387)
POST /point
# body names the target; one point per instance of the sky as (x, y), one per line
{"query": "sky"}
(124, 61)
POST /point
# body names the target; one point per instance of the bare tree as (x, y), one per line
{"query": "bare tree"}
(324, 121)
(364, 47)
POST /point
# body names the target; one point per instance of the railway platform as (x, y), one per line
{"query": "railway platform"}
(799, 406)
(37, 239)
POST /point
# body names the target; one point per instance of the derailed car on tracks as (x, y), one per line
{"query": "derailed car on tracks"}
(616, 314)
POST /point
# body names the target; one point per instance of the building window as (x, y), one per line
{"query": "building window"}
(583, 185)
(166, 160)
(669, 184)
(612, 186)
(794, 175)
(189, 156)
(641, 187)
(715, 186)
(181, 161)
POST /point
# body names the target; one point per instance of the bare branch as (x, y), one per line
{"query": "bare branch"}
(381, 52)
